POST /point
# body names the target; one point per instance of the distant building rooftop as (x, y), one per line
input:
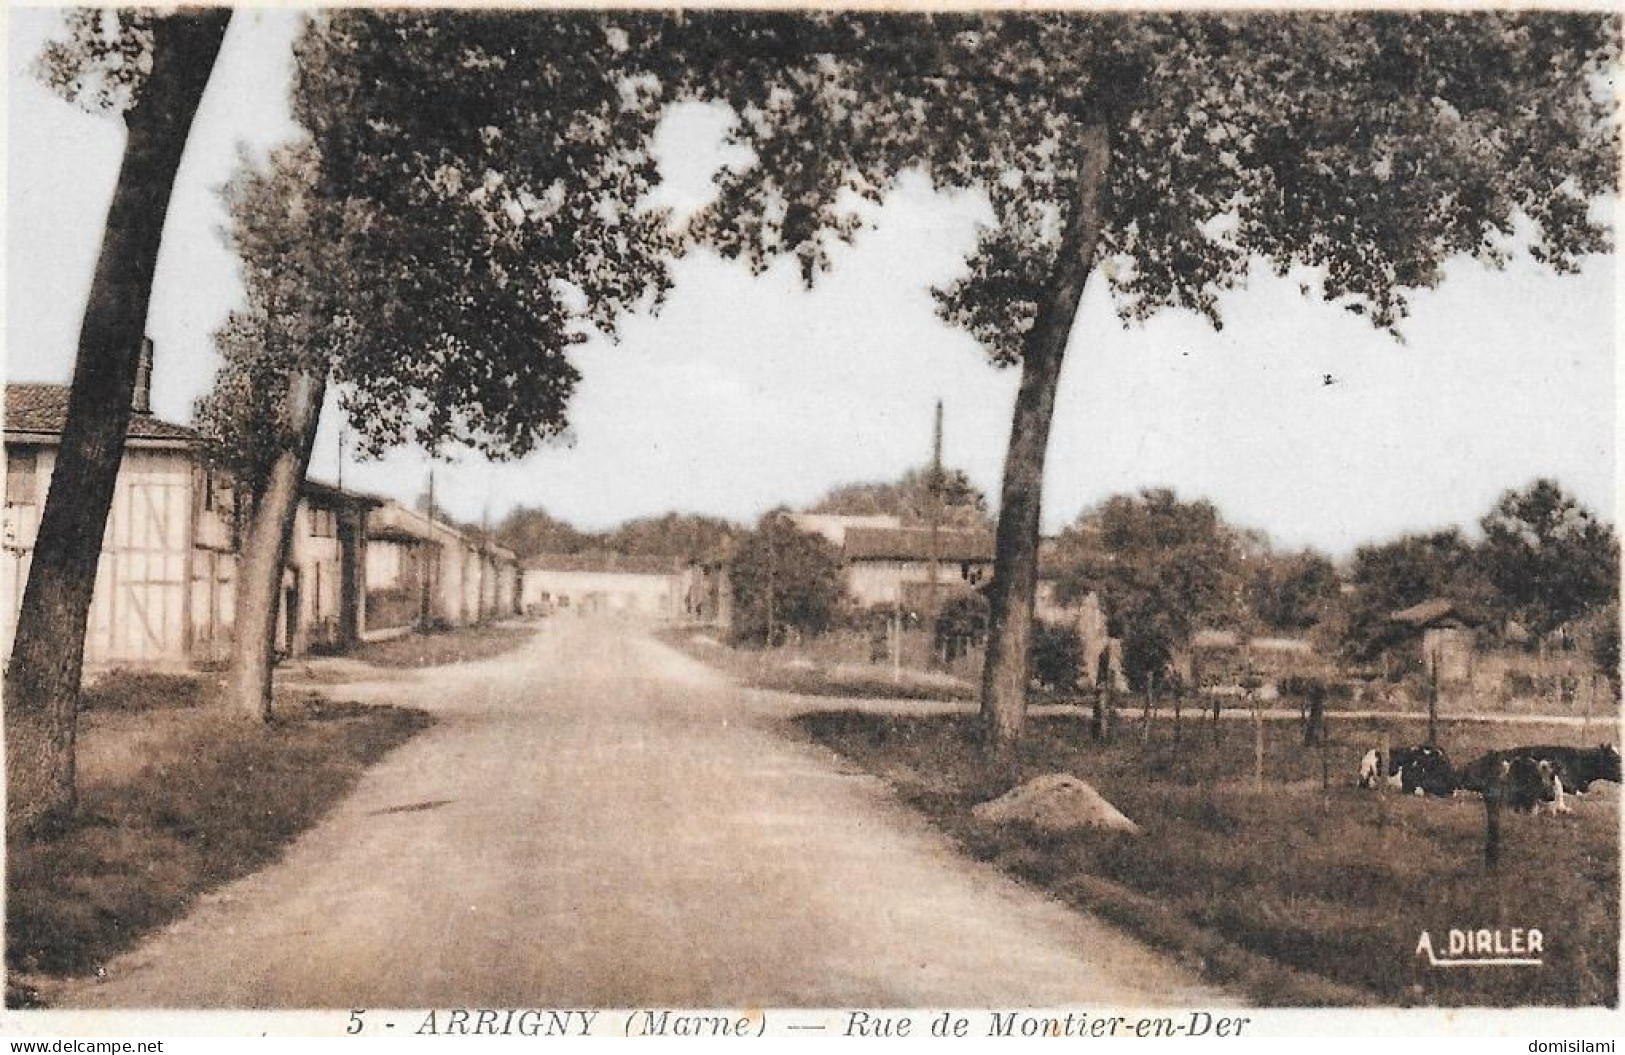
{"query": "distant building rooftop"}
(326, 492)
(1436, 611)
(41, 411)
(915, 544)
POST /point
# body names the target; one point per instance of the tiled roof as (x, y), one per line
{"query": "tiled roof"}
(1431, 611)
(337, 495)
(915, 544)
(43, 410)
(604, 561)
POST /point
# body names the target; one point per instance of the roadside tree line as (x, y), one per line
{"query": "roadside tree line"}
(469, 199)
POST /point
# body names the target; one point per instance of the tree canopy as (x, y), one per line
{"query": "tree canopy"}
(1549, 558)
(1167, 152)
(911, 498)
(784, 580)
(492, 168)
(1162, 567)
(1368, 146)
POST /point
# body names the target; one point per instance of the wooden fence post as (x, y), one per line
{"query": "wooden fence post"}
(1150, 695)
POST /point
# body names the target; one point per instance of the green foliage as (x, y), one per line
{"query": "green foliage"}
(1162, 568)
(101, 60)
(1549, 558)
(1056, 656)
(784, 580)
(290, 244)
(961, 624)
(685, 535)
(1366, 146)
(486, 173)
(1391, 576)
(1291, 592)
(531, 531)
(1603, 639)
(911, 499)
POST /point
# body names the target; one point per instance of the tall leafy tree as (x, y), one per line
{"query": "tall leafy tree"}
(474, 188)
(784, 580)
(1550, 559)
(151, 71)
(1390, 576)
(1165, 154)
(1291, 591)
(1162, 568)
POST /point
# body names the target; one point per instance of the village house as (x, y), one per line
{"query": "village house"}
(892, 565)
(358, 567)
(324, 586)
(165, 586)
(603, 581)
(499, 582)
(402, 555)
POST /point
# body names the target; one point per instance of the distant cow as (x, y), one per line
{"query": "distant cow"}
(1424, 769)
(1522, 781)
(1573, 768)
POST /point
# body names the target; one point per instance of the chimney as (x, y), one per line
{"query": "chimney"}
(141, 401)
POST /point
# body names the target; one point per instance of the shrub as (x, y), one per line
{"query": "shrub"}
(1056, 653)
(961, 624)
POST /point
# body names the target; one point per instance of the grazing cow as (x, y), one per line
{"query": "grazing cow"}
(1573, 768)
(1423, 770)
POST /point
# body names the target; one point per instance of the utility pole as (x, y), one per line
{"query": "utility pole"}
(934, 519)
(341, 458)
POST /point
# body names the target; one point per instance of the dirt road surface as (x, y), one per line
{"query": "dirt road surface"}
(599, 821)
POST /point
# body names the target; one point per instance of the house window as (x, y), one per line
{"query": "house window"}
(22, 477)
(322, 523)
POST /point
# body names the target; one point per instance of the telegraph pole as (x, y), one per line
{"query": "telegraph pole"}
(934, 519)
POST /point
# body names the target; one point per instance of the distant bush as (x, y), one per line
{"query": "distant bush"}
(1056, 653)
(961, 625)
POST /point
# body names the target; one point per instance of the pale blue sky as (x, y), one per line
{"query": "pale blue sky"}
(748, 392)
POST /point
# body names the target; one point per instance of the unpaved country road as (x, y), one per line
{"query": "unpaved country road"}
(599, 821)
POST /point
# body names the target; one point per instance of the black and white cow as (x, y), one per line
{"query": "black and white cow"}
(1574, 769)
(1423, 770)
(1524, 781)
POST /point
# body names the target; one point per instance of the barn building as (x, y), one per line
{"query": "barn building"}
(603, 581)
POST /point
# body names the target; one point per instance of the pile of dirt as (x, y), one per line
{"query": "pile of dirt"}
(1055, 802)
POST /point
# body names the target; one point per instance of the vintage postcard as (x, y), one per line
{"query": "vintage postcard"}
(812, 521)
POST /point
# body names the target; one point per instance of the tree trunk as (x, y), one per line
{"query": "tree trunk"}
(1015, 556)
(47, 656)
(265, 554)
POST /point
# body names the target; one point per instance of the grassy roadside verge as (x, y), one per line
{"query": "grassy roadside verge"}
(1294, 895)
(437, 648)
(785, 670)
(178, 796)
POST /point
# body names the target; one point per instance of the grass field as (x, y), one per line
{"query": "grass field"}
(832, 665)
(177, 795)
(1277, 891)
